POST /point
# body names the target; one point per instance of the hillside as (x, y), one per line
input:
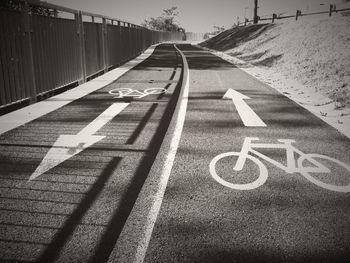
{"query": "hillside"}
(310, 56)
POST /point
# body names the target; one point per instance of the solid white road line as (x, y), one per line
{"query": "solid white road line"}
(176, 128)
(22, 116)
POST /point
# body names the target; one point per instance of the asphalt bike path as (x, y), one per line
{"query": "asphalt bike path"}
(256, 177)
(69, 179)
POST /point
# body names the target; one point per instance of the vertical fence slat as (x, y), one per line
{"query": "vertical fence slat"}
(64, 68)
(50, 52)
(3, 57)
(11, 78)
(60, 70)
(14, 59)
(80, 25)
(3, 83)
(28, 30)
(104, 47)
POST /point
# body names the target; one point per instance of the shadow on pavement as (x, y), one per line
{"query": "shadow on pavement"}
(60, 239)
(128, 200)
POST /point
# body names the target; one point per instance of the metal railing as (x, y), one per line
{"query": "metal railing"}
(42, 53)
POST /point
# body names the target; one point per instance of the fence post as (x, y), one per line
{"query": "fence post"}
(28, 50)
(81, 38)
(297, 14)
(104, 45)
(274, 16)
(330, 9)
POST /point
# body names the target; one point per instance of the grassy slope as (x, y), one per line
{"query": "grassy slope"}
(314, 50)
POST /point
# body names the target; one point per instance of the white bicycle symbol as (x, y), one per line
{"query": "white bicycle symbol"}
(126, 92)
(248, 148)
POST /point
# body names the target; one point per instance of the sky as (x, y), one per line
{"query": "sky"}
(194, 15)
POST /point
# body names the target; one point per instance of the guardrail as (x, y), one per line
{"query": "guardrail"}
(273, 17)
(40, 54)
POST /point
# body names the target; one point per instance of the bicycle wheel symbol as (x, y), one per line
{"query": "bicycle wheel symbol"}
(310, 173)
(262, 176)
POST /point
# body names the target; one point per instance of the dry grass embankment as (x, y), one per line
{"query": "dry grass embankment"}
(313, 51)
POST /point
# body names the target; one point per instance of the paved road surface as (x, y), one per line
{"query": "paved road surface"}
(75, 211)
(84, 209)
(286, 219)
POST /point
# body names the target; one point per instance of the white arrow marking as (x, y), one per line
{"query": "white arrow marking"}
(67, 146)
(248, 116)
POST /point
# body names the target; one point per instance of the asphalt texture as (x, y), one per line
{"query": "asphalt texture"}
(288, 218)
(76, 211)
(83, 210)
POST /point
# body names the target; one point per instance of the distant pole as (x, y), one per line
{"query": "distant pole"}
(255, 11)
(331, 9)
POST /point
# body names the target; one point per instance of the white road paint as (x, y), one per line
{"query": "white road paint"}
(307, 172)
(103, 118)
(22, 116)
(176, 128)
(293, 166)
(248, 116)
(67, 146)
(64, 148)
(139, 94)
(248, 186)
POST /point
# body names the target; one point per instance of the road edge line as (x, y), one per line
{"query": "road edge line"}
(134, 239)
(174, 132)
(29, 113)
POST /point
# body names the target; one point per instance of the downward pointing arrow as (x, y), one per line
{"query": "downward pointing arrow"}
(67, 146)
(248, 116)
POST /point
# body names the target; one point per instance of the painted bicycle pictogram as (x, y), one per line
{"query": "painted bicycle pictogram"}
(132, 93)
(293, 165)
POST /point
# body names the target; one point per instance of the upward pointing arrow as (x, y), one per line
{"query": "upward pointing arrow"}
(66, 146)
(248, 116)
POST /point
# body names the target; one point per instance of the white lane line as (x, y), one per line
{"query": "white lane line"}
(67, 146)
(168, 164)
(248, 116)
(22, 116)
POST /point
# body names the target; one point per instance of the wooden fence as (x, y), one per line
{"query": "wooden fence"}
(273, 17)
(40, 54)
